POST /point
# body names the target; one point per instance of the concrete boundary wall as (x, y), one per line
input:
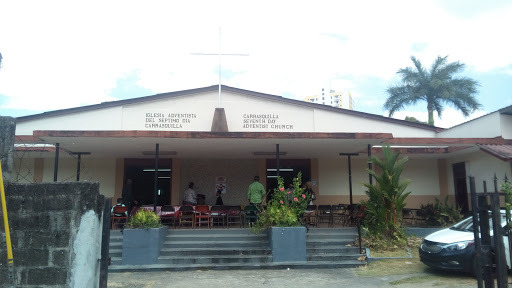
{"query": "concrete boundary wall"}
(56, 231)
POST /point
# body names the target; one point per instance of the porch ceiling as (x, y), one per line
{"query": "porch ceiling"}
(212, 145)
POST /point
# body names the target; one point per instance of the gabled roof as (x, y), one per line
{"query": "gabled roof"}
(503, 152)
(505, 110)
(224, 88)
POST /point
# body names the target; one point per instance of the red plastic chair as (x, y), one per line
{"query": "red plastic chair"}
(119, 216)
(202, 215)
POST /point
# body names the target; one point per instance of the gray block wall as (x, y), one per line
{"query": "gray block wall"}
(56, 234)
(7, 132)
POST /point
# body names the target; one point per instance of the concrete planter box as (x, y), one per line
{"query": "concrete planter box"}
(142, 246)
(288, 244)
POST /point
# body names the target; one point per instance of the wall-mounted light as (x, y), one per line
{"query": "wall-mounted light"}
(281, 170)
(159, 170)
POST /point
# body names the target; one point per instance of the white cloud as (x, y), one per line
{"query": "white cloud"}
(61, 54)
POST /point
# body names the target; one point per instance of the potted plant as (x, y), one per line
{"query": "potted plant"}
(283, 217)
(143, 238)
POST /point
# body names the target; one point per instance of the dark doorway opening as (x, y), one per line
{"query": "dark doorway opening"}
(461, 188)
(288, 169)
(142, 173)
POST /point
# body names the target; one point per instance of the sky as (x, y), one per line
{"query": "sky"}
(64, 54)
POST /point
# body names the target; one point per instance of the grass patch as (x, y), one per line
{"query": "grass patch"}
(391, 267)
(438, 280)
(419, 273)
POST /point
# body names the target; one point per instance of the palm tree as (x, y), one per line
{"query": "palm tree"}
(437, 87)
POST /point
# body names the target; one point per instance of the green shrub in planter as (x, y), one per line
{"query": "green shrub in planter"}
(144, 219)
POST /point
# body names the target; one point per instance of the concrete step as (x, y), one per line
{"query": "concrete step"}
(236, 266)
(220, 248)
(332, 257)
(332, 237)
(332, 230)
(333, 249)
(215, 251)
(115, 260)
(115, 252)
(214, 237)
(215, 259)
(215, 244)
(327, 242)
(212, 231)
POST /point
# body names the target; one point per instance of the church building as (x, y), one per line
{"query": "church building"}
(212, 136)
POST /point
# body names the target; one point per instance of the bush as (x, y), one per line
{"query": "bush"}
(440, 214)
(286, 207)
(144, 219)
(386, 199)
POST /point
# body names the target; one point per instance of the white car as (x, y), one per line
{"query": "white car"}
(453, 248)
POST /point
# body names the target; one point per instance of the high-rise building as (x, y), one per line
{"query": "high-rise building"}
(332, 98)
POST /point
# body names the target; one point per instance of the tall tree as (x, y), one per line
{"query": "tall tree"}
(436, 86)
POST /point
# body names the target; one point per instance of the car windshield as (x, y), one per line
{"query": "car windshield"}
(467, 224)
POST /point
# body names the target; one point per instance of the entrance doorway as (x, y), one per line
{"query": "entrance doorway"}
(142, 173)
(461, 188)
(288, 169)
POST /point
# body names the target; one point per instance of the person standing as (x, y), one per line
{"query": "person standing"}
(219, 198)
(309, 190)
(190, 197)
(256, 191)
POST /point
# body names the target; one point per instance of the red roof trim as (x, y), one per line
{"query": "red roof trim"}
(210, 135)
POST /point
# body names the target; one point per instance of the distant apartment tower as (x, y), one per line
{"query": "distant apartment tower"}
(333, 98)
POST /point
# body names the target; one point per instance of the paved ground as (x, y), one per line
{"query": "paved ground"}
(261, 278)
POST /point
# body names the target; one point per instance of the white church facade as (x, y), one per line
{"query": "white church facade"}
(202, 138)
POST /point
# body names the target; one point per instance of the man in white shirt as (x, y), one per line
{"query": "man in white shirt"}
(190, 197)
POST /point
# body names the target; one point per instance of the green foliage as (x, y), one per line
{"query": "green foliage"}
(436, 86)
(286, 207)
(144, 219)
(413, 119)
(507, 189)
(440, 213)
(386, 198)
(390, 241)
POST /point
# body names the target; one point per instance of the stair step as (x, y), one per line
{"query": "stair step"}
(235, 266)
(221, 248)
(213, 231)
(327, 242)
(214, 237)
(332, 256)
(216, 251)
(214, 244)
(333, 249)
(240, 259)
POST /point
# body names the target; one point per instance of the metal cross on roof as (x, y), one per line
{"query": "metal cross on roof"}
(220, 54)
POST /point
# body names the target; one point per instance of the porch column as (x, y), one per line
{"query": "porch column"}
(79, 154)
(156, 177)
(370, 163)
(350, 172)
(277, 160)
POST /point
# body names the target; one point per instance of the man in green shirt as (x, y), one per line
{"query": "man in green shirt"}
(256, 191)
